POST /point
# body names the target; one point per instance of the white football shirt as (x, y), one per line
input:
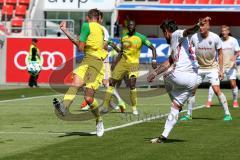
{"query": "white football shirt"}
(206, 49)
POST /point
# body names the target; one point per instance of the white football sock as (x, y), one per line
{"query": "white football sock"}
(191, 104)
(224, 103)
(210, 94)
(170, 122)
(235, 93)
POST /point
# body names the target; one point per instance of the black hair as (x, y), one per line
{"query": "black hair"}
(93, 13)
(34, 40)
(169, 25)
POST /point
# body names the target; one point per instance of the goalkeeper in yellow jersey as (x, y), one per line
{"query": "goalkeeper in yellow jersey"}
(90, 72)
(127, 63)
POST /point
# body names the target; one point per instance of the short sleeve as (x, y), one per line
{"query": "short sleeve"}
(236, 46)
(106, 34)
(85, 31)
(144, 39)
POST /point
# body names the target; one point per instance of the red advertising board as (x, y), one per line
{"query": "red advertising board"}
(57, 54)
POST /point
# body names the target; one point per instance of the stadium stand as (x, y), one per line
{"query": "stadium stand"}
(16, 24)
(11, 2)
(13, 12)
(228, 1)
(24, 2)
(1, 3)
(7, 12)
(216, 1)
(21, 11)
(203, 1)
(190, 1)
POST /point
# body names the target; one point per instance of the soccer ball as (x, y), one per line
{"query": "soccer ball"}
(34, 68)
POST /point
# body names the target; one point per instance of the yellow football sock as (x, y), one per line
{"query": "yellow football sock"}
(69, 96)
(108, 96)
(95, 110)
(133, 97)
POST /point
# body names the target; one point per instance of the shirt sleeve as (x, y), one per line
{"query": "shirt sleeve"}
(145, 41)
(236, 46)
(106, 34)
(85, 31)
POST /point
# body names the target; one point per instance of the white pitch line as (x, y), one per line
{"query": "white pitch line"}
(143, 120)
(27, 98)
(106, 130)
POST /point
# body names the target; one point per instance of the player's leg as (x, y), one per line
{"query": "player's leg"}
(133, 94)
(210, 96)
(190, 105)
(117, 74)
(192, 100)
(222, 99)
(234, 92)
(62, 107)
(215, 82)
(182, 89)
(109, 93)
(94, 106)
(232, 75)
(31, 81)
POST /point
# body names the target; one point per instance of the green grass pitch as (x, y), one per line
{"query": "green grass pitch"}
(29, 130)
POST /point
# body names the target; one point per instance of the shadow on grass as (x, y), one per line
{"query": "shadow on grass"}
(68, 134)
(203, 118)
(168, 140)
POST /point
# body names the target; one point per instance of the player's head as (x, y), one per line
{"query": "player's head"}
(204, 28)
(34, 41)
(225, 32)
(100, 19)
(168, 27)
(131, 27)
(93, 15)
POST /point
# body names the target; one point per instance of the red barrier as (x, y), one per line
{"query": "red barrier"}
(58, 60)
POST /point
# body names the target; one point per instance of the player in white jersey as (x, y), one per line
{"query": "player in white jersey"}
(207, 44)
(84, 105)
(183, 65)
(231, 51)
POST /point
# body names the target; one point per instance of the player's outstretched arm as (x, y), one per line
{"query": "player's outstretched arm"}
(80, 45)
(114, 46)
(154, 54)
(196, 27)
(160, 69)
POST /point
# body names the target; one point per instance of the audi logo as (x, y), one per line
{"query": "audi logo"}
(50, 60)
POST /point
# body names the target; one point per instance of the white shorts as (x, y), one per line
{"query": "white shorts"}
(212, 76)
(231, 73)
(180, 86)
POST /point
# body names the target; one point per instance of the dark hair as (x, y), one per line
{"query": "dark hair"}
(93, 13)
(100, 14)
(169, 25)
(34, 40)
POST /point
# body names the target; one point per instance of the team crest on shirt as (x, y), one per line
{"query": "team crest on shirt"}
(210, 43)
(127, 44)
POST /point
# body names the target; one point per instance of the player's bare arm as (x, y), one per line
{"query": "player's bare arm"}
(154, 54)
(196, 27)
(220, 62)
(80, 45)
(160, 69)
(114, 46)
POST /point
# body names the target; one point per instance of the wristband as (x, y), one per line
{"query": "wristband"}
(154, 60)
